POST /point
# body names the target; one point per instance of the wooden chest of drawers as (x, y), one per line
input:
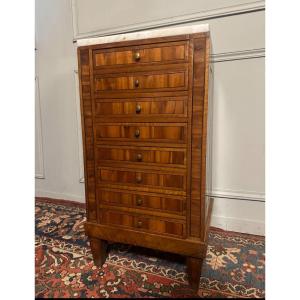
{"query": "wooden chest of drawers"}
(144, 110)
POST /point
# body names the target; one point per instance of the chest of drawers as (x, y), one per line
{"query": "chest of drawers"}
(144, 105)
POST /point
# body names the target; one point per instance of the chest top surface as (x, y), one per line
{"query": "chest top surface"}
(145, 34)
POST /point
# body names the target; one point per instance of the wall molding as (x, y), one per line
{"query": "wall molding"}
(40, 174)
(79, 132)
(174, 20)
(238, 195)
(238, 55)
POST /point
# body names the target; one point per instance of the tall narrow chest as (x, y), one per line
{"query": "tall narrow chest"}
(144, 104)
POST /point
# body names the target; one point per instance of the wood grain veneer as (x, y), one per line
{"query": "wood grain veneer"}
(144, 107)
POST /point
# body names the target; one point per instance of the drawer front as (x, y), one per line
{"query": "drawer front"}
(138, 82)
(168, 157)
(144, 107)
(147, 54)
(142, 179)
(142, 200)
(142, 132)
(137, 222)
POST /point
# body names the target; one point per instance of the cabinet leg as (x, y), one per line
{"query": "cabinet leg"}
(194, 266)
(99, 251)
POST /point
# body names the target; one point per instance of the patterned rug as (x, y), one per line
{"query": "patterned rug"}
(234, 266)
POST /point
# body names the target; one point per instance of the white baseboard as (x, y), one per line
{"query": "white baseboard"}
(240, 215)
(239, 225)
(63, 196)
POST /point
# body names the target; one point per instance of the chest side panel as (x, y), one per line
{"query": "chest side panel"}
(198, 139)
(87, 132)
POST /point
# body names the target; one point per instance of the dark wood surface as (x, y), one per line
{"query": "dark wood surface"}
(142, 81)
(142, 180)
(194, 267)
(149, 202)
(144, 110)
(170, 107)
(141, 132)
(87, 132)
(141, 222)
(99, 250)
(147, 156)
(185, 246)
(141, 54)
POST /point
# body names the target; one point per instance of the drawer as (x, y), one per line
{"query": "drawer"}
(167, 157)
(142, 107)
(174, 80)
(143, 54)
(141, 179)
(142, 223)
(165, 203)
(142, 132)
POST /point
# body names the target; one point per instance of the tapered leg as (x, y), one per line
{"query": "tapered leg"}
(99, 251)
(194, 266)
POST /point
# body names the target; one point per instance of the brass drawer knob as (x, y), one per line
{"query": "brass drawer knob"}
(138, 178)
(139, 224)
(139, 157)
(139, 201)
(137, 133)
(137, 56)
(136, 83)
(138, 108)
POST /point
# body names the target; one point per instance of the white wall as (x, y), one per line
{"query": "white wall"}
(237, 29)
(56, 62)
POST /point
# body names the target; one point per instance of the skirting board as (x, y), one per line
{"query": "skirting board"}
(240, 215)
(238, 225)
(62, 196)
